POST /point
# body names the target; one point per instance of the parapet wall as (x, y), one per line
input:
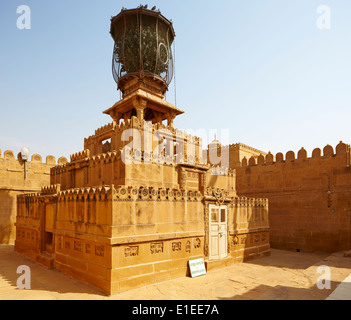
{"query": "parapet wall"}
(309, 197)
(13, 182)
(328, 151)
(132, 167)
(230, 156)
(113, 132)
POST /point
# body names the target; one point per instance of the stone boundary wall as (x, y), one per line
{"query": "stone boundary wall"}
(13, 183)
(309, 197)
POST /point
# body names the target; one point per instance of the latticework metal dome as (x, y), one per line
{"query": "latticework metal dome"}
(143, 47)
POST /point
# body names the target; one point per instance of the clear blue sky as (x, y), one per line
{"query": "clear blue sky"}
(261, 69)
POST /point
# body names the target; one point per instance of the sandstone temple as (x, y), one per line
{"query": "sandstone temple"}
(143, 198)
(140, 200)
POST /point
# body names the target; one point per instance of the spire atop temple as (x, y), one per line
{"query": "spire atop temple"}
(142, 65)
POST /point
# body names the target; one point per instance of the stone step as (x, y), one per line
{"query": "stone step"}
(218, 264)
(45, 259)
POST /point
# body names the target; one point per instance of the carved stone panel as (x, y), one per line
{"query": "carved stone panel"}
(176, 246)
(100, 250)
(132, 251)
(156, 247)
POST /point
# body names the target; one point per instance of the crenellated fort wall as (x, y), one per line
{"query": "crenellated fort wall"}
(13, 183)
(309, 197)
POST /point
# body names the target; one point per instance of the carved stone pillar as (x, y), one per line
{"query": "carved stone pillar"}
(170, 118)
(140, 106)
(116, 116)
(127, 115)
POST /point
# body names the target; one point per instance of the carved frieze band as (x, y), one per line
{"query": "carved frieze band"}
(160, 247)
(249, 239)
(78, 245)
(27, 235)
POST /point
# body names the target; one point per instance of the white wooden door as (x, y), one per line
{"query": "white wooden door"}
(218, 232)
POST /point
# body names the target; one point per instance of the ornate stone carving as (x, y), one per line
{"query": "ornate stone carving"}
(188, 246)
(156, 247)
(100, 250)
(197, 244)
(176, 246)
(131, 251)
(206, 250)
(77, 245)
(219, 196)
(235, 241)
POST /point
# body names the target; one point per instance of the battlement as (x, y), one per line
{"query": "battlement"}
(18, 175)
(134, 123)
(51, 190)
(308, 196)
(269, 159)
(35, 158)
(83, 155)
(235, 147)
(106, 129)
(128, 155)
(101, 193)
(28, 198)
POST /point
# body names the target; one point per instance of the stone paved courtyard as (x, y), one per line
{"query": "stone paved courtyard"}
(282, 276)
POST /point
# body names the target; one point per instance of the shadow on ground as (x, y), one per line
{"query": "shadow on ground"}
(265, 292)
(41, 277)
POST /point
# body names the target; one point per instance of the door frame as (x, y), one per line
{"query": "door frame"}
(48, 222)
(222, 232)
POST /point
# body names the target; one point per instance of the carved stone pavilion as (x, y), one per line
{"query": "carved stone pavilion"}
(139, 201)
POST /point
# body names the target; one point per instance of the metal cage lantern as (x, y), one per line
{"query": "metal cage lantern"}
(143, 48)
